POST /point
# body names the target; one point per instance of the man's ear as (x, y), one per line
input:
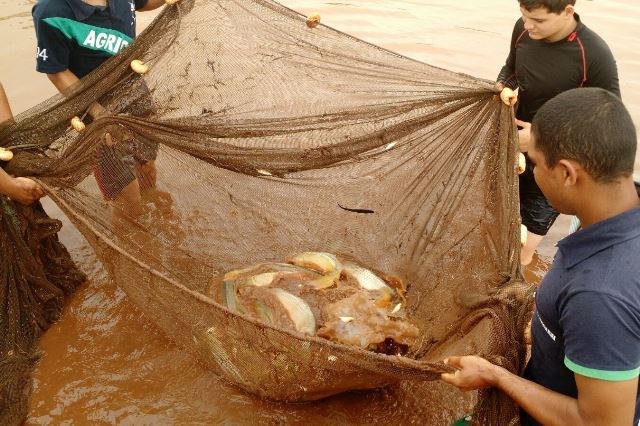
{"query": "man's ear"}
(569, 10)
(569, 171)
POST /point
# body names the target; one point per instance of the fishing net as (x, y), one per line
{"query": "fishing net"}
(272, 138)
(36, 275)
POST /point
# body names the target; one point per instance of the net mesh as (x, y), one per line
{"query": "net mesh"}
(269, 138)
(37, 273)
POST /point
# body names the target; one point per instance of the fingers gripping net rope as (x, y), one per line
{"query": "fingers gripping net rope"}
(252, 137)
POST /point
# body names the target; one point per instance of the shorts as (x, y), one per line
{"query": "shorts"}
(536, 212)
(116, 166)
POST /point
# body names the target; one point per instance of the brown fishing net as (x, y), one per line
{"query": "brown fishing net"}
(36, 273)
(272, 138)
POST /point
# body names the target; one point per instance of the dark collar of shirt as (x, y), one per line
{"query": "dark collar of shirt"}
(81, 10)
(580, 25)
(600, 236)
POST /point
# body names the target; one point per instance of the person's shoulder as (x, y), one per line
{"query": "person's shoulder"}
(51, 8)
(519, 25)
(612, 269)
(592, 40)
(628, 249)
(518, 29)
(622, 278)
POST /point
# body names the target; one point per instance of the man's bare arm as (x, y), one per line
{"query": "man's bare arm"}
(5, 109)
(151, 5)
(23, 190)
(63, 81)
(599, 402)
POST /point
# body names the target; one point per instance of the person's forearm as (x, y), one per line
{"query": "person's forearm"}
(507, 77)
(6, 183)
(152, 4)
(63, 82)
(5, 108)
(544, 405)
(22, 190)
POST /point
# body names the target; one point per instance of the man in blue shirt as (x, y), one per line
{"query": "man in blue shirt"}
(74, 38)
(585, 354)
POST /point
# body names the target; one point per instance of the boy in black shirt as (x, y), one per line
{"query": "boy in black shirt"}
(551, 51)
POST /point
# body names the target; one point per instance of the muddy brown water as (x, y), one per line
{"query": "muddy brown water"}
(104, 363)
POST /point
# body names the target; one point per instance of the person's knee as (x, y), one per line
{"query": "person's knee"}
(527, 251)
(147, 174)
(129, 202)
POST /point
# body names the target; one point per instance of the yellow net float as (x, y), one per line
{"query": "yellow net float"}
(139, 67)
(509, 96)
(522, 163)
(77, 124)
(5, 154)
(313, 20)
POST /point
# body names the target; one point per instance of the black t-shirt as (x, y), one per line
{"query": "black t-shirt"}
(543, 70)
(77, 36)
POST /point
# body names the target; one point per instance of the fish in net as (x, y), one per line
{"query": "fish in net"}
(273, 137)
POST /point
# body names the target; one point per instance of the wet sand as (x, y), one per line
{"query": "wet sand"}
(105, 363)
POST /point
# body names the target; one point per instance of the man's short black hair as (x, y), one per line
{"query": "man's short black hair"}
(553, 6)
(590, 126)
